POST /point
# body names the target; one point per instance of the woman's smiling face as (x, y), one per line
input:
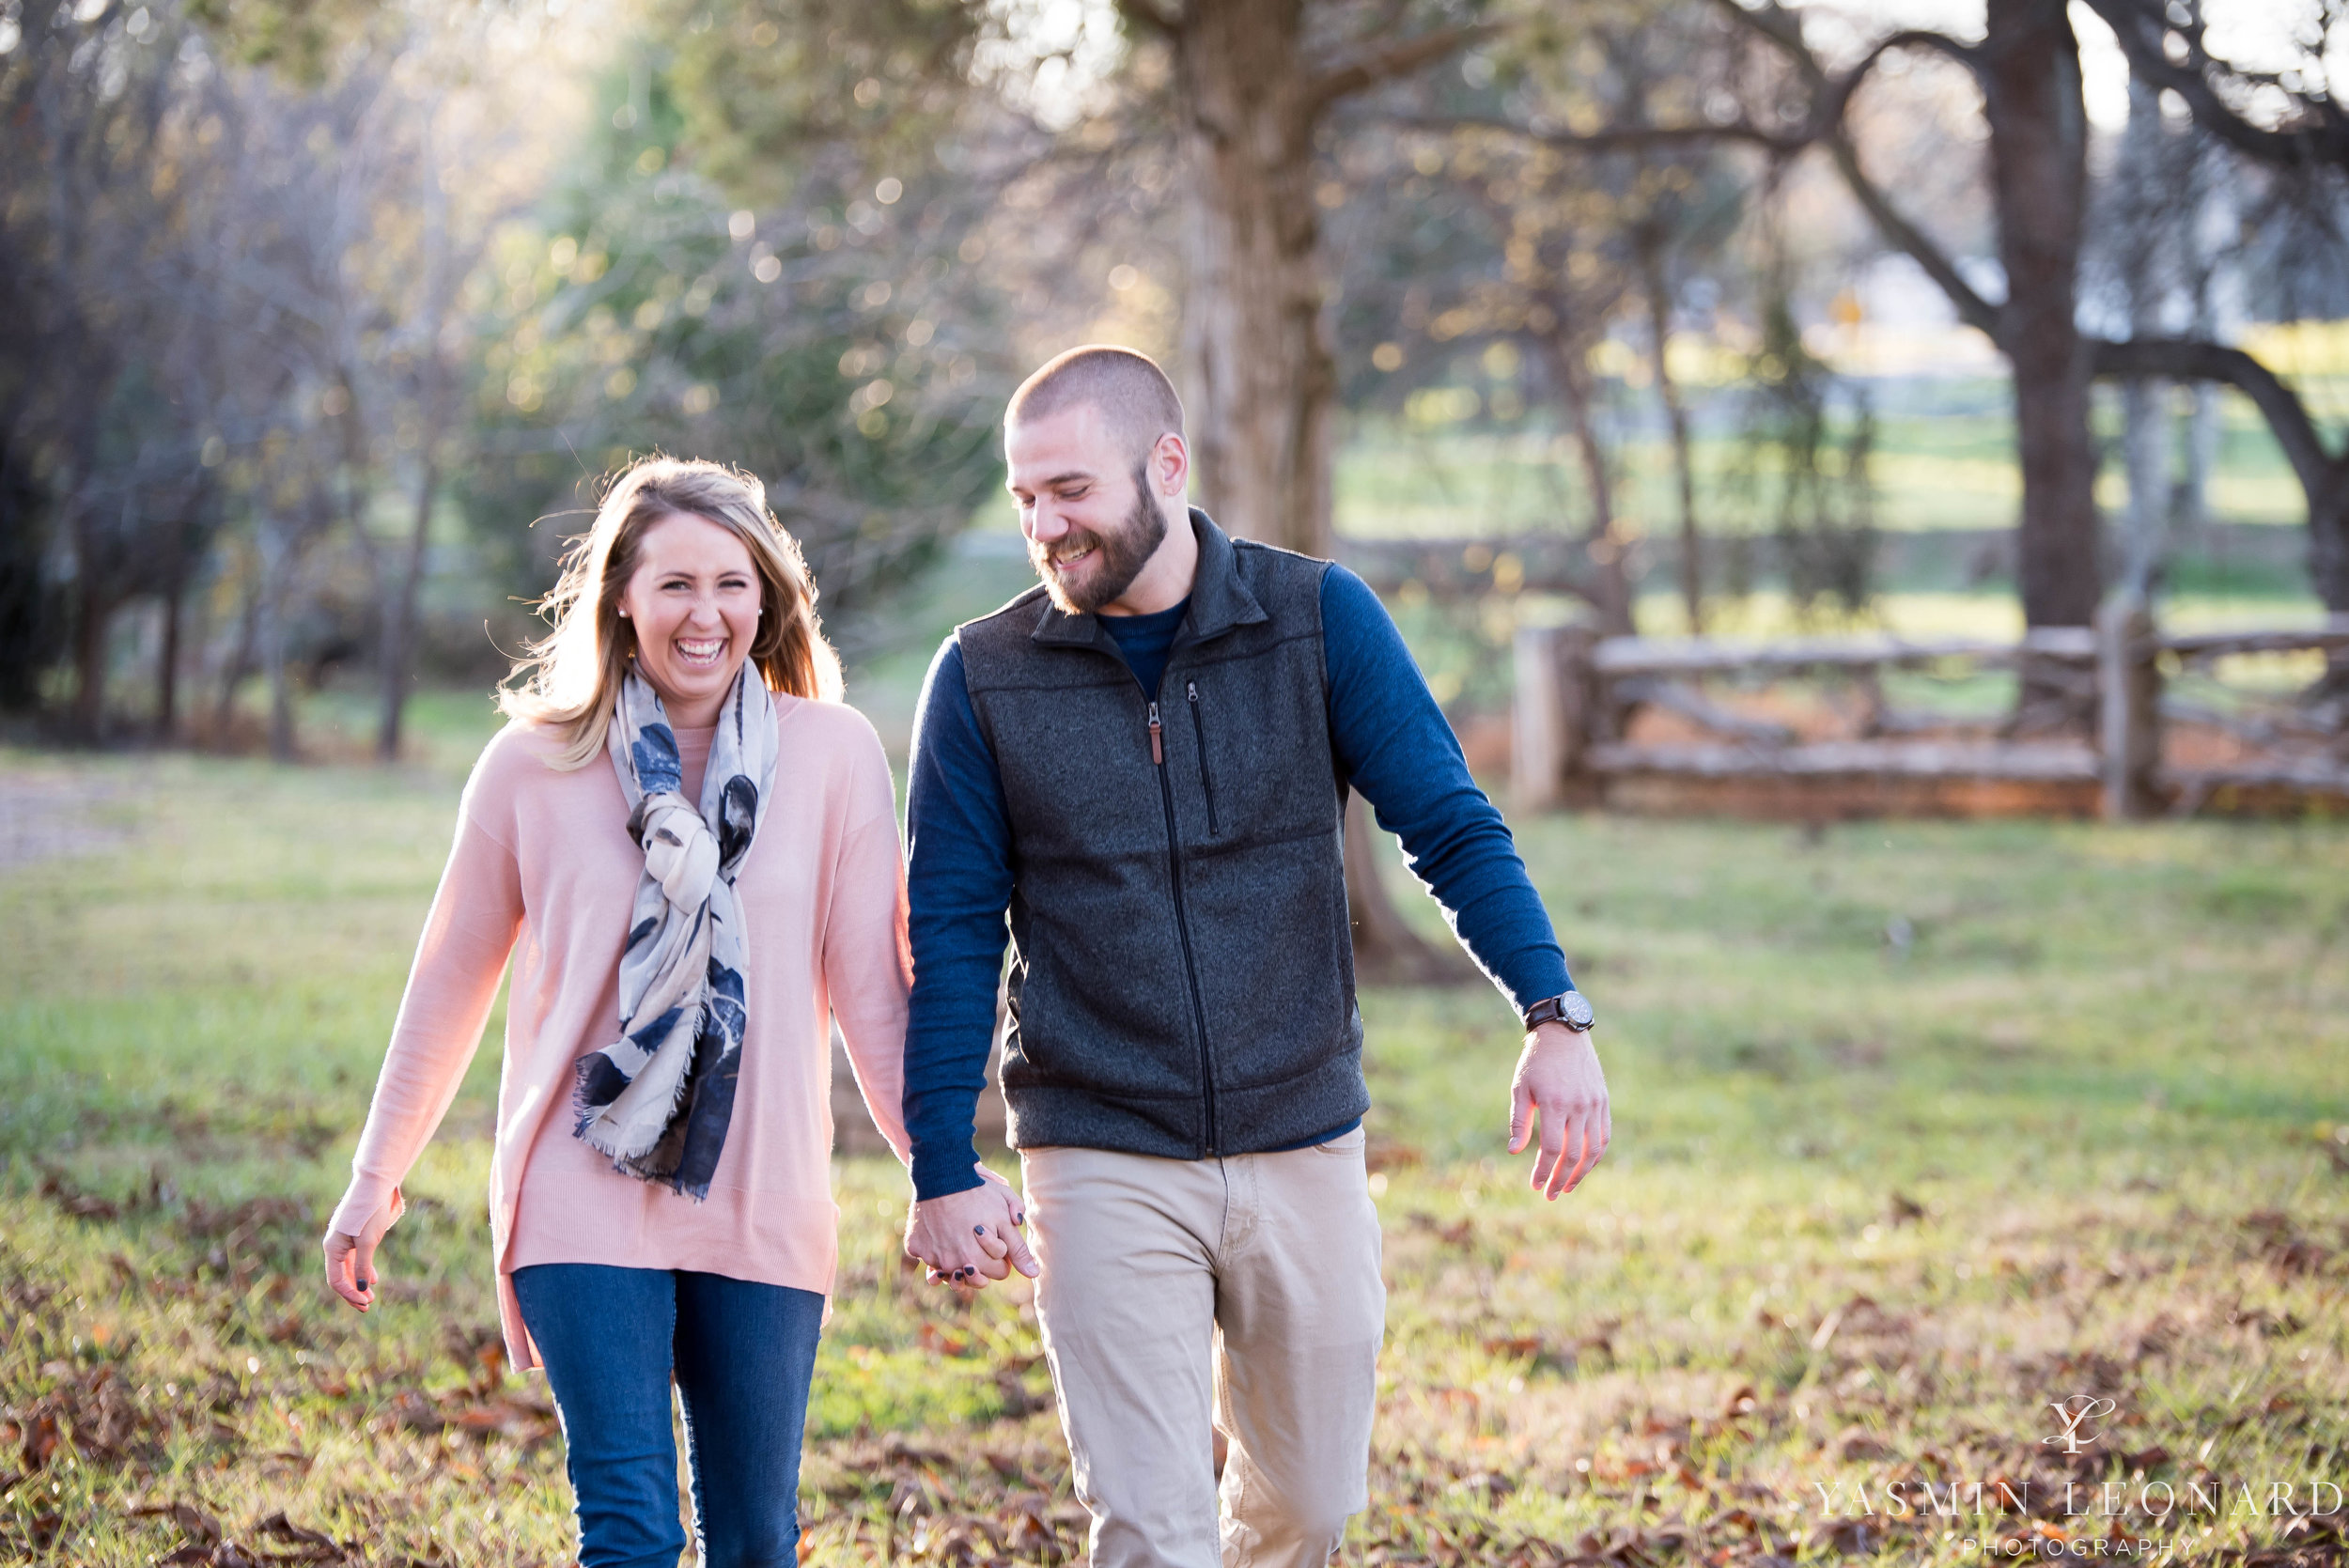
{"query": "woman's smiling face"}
(693, 600)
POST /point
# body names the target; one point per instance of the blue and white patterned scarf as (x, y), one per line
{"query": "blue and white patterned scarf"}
(657, 1099)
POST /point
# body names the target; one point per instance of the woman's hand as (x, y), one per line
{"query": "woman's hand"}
(972, 1236)
(350, 1259)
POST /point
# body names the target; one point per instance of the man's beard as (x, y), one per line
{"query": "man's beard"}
(1118, 557)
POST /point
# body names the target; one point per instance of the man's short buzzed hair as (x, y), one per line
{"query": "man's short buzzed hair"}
(1129, 388)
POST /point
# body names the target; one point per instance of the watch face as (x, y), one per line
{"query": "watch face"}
(1576, 1010)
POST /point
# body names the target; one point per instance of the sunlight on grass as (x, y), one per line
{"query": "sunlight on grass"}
(1944, 458)
(1918, 1126)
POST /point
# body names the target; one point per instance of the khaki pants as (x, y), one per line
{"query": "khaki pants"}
(1241, 1294)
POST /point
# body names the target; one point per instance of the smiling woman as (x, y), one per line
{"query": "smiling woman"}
(661, 1204)
(694, 603)
(665, 539)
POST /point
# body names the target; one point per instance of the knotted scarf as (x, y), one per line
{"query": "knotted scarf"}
(657, 1099)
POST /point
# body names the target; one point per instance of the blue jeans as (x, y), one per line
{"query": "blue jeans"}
(742, 1355)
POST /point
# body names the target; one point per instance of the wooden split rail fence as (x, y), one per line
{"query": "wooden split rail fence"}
(1582, 702)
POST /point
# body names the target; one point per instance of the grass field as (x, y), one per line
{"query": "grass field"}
(1918, 1129)
(1944, 458)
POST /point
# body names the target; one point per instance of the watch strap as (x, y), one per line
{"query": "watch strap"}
(1551, 1010)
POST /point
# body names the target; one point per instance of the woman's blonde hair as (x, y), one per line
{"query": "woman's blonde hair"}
(570, 678)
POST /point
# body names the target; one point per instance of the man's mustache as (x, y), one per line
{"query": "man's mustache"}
(1074, 544)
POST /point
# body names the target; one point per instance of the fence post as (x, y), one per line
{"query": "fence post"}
(2128, 690)
(1579, 711)
(1551, 716)
(1537, 715)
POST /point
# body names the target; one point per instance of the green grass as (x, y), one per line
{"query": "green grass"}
(1944, 459)
(1917, 1128)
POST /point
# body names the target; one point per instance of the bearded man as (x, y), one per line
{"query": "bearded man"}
(1142, 765)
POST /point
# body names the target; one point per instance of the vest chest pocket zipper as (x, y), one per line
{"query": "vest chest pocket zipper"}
(1199, 731)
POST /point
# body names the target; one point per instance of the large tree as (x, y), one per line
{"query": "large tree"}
(2028, 66)
(1248, 87)
(2290, 124)
(1255, 84)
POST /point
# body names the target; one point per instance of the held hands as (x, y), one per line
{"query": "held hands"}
(971, 1237)
(1559, 1075)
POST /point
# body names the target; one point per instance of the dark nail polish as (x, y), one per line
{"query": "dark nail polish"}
(978, 1229)
(366, 1284)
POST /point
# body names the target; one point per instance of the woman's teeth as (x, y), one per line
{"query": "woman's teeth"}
(701, 653)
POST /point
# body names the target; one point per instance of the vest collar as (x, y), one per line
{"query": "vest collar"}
(1219, 599)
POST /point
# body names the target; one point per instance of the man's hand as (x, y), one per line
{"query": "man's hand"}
(1559, 1075)
(971, 1236)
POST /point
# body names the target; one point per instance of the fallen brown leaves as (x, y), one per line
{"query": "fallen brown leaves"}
(2279, 1241)
(208, 1545)
(88, 1407)
(1024, 1529)
(967, 1507)
(526, 1416)
(2302, 1542)
(1859, 1373)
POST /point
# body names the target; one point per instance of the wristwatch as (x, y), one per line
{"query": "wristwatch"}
(1573, 1009)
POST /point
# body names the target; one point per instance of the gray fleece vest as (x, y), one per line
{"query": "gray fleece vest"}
(1182, 979)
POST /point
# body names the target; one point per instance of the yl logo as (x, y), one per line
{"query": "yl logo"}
(2075, 1413)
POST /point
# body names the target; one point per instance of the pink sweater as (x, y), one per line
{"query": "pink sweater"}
(544, 872)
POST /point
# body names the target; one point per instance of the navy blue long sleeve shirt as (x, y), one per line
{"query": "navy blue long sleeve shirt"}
(1392, 743)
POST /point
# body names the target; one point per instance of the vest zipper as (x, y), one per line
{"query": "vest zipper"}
(1182, 920)
(1207, 780)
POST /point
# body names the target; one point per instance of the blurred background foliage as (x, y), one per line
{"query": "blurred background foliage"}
(321, 322)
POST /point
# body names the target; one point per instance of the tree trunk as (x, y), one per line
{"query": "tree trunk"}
(2328, 567)
(276, 575)
(239, 660)
(400, 618)
(2201, 461)
(2328, 539)
(2145, 450)
(1380, 936)
(1609, 581)
(2145, 418)
(167, 662)
(2039, 181)
(1659, 313)
(93, 617)
(1255, 344)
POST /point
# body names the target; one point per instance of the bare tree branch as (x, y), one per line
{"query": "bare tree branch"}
(1829, 111)
(1972, 309)
(1832, 97)
(1617, 138)
(2319, 136)
(1369, 68)
(2182, 359)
